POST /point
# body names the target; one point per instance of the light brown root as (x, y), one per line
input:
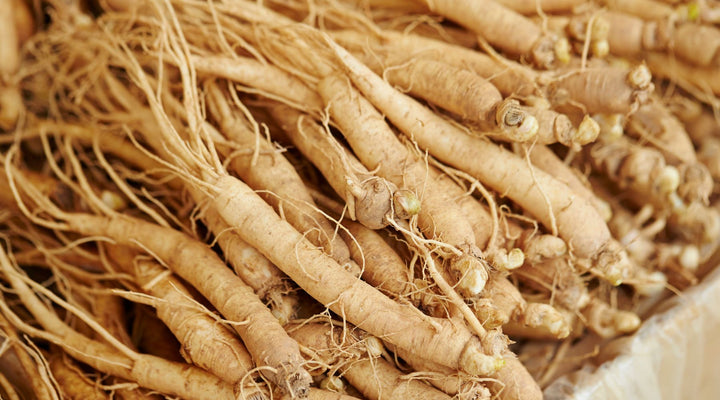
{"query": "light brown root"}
(602, 90)
(540, 321)
(368, 197)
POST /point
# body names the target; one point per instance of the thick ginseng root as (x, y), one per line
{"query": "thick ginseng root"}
(509, 77)
(654, 123)
(539, 321)
(503, 28)
(375, 144)
(382, 267)
(369, 198)
(559, 279)
(11, 102)
(452, 382)
(267, 170)
(697, 79)
(205, 343)
(263, 77)
(547, 199)
(374, 377)
(544, 158)
(476, 100)
(498, 303)
(507, 384)
(632, 37)
(602, 89)
(637, 168)
(546, 6)
(268, 282)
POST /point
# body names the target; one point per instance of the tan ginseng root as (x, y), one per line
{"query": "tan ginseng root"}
(23, 367)
(205, 342)
(266, 170)
(545, 159)
(11, 102)
(646, 9)
(476, 100)
(634, 167)
(457, 384)
(467, 387)
(265, 78)
(547, 199)
(320, 394)
(511, 79)
(382, 266)
(73, 384)
(653, 123)
(697, 80)
(115, 359)
(607, 90)
(505, 29)
(356, 356)
(632, 37)
(371, 200)
(702, 126)
(540, 321)
(546, 6)
(505, 250)
(376, 145)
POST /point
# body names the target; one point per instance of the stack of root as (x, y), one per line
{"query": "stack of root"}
(345, 199)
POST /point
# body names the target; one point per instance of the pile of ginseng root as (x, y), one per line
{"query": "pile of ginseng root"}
(340, 199)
